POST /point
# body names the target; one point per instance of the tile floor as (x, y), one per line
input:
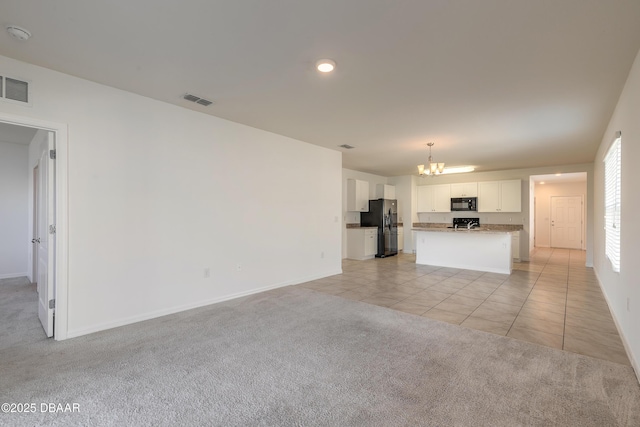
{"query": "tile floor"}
(552, 300)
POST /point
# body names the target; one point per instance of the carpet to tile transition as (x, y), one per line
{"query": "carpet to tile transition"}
(297, 357)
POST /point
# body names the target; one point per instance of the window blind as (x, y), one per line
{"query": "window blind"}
(612, 202)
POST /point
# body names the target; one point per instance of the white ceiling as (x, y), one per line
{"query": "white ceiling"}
(498, 84)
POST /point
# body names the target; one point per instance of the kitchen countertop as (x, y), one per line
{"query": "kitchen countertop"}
(501, 227)
(479, 230)
(351, 226)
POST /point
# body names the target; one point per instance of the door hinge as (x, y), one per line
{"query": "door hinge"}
(52, 303)
(52, 229)
(52, 154)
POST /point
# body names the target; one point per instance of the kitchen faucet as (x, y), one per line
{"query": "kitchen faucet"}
(471, 224)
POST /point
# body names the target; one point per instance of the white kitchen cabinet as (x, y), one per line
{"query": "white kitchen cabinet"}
(362, 243)
(489, 196)
(400, 238)
(370, 243)
(500, 196)
(357, 195)
(425, 198)
(384, 191)
(511, 196)
(515, 245)
(465, 189)
(434, 198)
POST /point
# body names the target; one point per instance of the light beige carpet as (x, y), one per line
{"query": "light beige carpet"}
(297, 357)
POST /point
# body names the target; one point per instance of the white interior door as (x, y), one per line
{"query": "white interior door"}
(34, 241)
(46, 236)
(566, 222)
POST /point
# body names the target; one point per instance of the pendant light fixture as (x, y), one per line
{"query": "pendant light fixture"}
(433, 168)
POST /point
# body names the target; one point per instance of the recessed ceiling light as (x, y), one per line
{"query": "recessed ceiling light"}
(542, 182)
(558, 174)
(325, 65)
(18, 32)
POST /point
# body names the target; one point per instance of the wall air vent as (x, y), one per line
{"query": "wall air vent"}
(347, 146)
(197, 99)
(14, 90)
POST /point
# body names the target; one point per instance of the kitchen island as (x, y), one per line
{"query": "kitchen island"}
(479, 249)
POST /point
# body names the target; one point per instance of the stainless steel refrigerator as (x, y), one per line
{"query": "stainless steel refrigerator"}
(383, 213)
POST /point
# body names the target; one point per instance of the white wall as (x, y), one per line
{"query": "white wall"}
(157, 193)
(622, 289)
(510, 217)
(543, 195)
(14, 225)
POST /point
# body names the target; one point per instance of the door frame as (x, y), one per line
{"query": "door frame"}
(61, 213)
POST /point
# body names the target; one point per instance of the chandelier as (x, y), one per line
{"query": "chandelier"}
(433, 168)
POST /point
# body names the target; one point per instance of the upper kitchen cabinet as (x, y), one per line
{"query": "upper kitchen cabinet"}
(357, 195)
(384, 191)
(500, 196)
(466, 189)
(434, 198)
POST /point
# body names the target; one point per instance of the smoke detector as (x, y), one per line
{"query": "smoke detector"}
(18, 32)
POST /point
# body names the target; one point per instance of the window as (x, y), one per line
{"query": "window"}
(612, 202)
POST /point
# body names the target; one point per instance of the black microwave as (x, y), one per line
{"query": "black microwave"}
(464, 204)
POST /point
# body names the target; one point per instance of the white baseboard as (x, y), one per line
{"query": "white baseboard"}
(13, 275)
(171, 310)
(634, 362)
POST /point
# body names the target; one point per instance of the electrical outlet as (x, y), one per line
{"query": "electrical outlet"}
(322, 254)
(207, 272)
(238, 267)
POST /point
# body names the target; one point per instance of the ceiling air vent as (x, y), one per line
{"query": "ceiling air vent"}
(197, 99)
(14, 89)
(347, 146)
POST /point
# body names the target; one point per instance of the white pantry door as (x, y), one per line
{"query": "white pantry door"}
(46, 236)
(566, 222)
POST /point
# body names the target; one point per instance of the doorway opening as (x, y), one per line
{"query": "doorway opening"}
(559, 216)
(43, 240)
